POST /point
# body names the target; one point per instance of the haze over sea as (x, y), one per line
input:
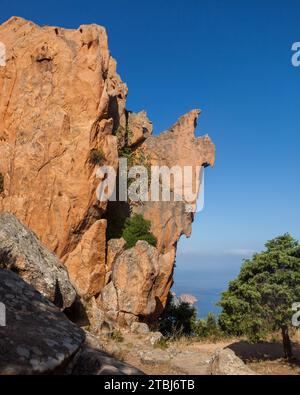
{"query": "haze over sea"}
(206, 276)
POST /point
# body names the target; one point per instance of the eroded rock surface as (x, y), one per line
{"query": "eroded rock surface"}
(61, 100)
(176, 147)
(86, 264)
(140, 276)
(21, 252)
(96, 362)
(139, 127)
(37, 338)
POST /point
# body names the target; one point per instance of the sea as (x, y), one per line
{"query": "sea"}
(206, 298)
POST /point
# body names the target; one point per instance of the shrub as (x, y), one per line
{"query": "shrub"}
(162, 344)
(126, 152)
(1, 183)
(117, 336)
(137, 228)
(177, 319)
(96, 157)
(207, 327)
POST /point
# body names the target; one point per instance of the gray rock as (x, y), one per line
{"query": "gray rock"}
(140, 327)
(22, 252)
(155, 337)
(37, 338)
(225, 363)
(95, 362)
(155, 357)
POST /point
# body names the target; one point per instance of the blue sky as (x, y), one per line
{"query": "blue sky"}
(232, 59)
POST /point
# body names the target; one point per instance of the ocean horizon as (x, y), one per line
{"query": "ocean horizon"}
(205, 277)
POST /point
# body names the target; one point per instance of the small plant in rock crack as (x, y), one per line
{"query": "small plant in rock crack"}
(162, 344)
(116, 335)
(96, 157)
(1, 183)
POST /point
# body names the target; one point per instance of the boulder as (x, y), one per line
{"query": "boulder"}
(21, 252)
(226, 363)
(96, 362)
(155, 337)
(37, 337)
(140, 328)
(155, 357)
(131, 288)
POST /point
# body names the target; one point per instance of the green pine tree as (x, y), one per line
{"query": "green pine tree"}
(260, 299)
(137, 228)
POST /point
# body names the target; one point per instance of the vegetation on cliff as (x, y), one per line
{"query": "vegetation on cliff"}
(96, 157)
(1, 183)
(137, 228)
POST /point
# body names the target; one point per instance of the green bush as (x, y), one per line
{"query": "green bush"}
(1, 183)
(117, 336)
(207, 327)
(96, 157)
(137, 228)
(162, 344)
(178, 319)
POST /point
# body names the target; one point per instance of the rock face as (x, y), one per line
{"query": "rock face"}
(176, 147)
(62, 115)
(60, 98)
(37, 338)
(86, 264)
(139, 127)
(21, 252)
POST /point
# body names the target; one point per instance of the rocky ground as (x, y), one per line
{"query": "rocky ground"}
(38, 338)
(230, 357)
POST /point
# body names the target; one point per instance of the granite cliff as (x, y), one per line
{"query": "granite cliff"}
(61, 100)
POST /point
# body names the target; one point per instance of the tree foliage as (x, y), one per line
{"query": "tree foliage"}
(137, 228)
(207, 327)
(260, 299)
(178, 318)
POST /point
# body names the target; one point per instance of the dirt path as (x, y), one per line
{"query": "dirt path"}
(192, 357)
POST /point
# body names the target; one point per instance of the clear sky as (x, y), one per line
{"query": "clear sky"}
(232, 59)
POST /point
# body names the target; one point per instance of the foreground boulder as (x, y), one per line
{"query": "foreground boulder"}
(37, 338)
(226, 363)
(139, 277)
(21, 252)
(96, 362)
